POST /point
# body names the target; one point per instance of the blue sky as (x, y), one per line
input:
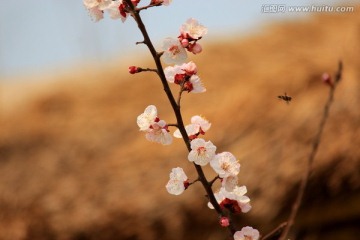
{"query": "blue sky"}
(37, 35)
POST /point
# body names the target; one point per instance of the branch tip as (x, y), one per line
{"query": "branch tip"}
(339, 72)
(141, 42)
(314, 148)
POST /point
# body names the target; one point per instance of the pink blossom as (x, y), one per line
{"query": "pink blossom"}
(163, 2)
(192, 29)
(185, 76)
(229, 183)
(234, 201)
(190, 68)
(239, 195)
(191, 130)
(167, 2)
(195, 48)
(247, 233)
(147, 118)
(199, 125)
(96, 14)
(171, 72)
(100, 4)
(184, 43)
(116, 10)
(201, 152)
(190, 33)
(201, 122)
(174, 52)
(225, 164)
(156, 129)
(194, 85)
(178, 181)
(159, 133)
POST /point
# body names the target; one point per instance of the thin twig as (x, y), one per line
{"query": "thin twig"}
(275, 234)
(176, 108)
(147, 70)
(315, 146)
(179, 96)
(212, 181)
(148, 6)
(196, 180)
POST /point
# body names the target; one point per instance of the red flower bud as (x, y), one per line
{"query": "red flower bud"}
(135, 2)
(188, 86)
(186, 184)
(122, 9)
(134, 69)
(179, 78)
(326, 78)
(224, 221)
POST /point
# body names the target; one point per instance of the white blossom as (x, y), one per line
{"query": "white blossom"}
(178, 181)
(114, 11)
(235, 200)
(201, 122)
(196, 85)
(100, 4)
(96, 14)
(146, 119)
(189, 68)
(225, 164)
(198, 125)
(229, 183)
(114, 8)
(158, 133)
(174, 52)
(166, 2)
(171, 71)
(202, 152)
(247, 233)
(191, 28)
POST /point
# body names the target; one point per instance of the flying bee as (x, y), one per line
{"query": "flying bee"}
(285, 98)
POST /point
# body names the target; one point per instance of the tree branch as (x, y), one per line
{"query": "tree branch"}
(176, 108)
(275, 234)
(314, 148)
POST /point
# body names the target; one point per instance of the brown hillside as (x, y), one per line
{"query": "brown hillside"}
(73, 164)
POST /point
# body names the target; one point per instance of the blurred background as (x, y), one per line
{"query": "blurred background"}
(73, 164)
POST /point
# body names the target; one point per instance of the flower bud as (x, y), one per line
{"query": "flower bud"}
(134, 69)
(186, 184)
(135, 2)
(195, 48)
(179, 78)
(188, 86)
(224, 222)
(156, 2)
(185, 42)
(326, 78)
